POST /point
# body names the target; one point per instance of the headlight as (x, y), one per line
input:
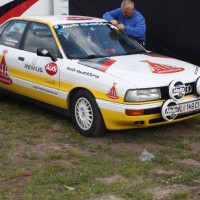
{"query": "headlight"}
(142, 95)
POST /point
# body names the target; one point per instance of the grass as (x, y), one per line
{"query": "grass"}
(43, 157)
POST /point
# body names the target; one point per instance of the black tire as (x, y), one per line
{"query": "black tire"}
(86, 115)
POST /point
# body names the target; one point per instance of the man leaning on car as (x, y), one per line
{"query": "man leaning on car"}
(128, 19)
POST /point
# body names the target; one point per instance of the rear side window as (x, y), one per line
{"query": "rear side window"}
(13, 33)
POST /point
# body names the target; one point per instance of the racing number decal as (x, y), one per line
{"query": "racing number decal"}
(4, 73)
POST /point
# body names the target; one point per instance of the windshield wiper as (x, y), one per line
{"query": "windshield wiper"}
(92, 56)
(137, 52)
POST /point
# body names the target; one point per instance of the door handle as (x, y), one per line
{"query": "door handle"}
(21, 58)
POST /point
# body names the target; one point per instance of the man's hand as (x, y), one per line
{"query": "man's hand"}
(120, 26)
(114, 22)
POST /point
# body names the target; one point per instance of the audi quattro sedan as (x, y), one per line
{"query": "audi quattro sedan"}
(87, 69)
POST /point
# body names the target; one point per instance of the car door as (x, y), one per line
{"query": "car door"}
(10, 41)
(36, 76)
(40, 71)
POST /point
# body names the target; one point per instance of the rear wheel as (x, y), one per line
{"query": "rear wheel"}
(86, 115)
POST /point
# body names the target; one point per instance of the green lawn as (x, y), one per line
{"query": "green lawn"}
(43, 157)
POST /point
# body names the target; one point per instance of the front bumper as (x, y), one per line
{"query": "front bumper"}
(115, 118)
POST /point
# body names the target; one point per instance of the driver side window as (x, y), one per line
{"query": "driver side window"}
(40, 36)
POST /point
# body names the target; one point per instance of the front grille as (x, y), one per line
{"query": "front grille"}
(152, 111)
(165, 90)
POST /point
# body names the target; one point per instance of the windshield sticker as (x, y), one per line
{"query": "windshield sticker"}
(163, 69)
(81, 24)
(4, 73)
(76, 18)
(112, 92)
(10, 42)
(101, 64)
(93, 24)
(70, 26)
(51, 68)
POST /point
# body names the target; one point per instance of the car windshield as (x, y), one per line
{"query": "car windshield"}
(95, 40)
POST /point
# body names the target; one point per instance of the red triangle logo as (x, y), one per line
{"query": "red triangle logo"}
(163, 69)
(112, 92)
(4, 73)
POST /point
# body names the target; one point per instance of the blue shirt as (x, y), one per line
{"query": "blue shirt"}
(135, 25)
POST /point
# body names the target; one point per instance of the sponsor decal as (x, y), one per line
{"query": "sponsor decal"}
(101, 64)
(169, 110)
(177, 90)
(93, 24)
(198, 86)
(82, 72)
(76, 18)
(4, 73)
(15, 8)
(45, 90)
(33, 68)
(10, 42)
(163, 69)
(112, 92)
(52, 82)
(51, 68)
(81, 24)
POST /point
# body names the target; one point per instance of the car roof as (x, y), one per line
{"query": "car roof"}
(61, 19)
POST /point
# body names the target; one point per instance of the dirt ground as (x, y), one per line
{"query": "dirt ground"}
(171, 132)
(134, 141)
(117, 141)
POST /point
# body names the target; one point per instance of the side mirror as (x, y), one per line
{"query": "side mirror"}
(46, 52)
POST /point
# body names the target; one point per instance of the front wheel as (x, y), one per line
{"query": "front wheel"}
(86, 115)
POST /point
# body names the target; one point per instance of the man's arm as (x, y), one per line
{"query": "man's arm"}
(112, 15)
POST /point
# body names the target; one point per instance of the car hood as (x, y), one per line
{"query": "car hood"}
(146, 70)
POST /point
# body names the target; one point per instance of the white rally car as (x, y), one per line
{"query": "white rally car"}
(87, 69)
